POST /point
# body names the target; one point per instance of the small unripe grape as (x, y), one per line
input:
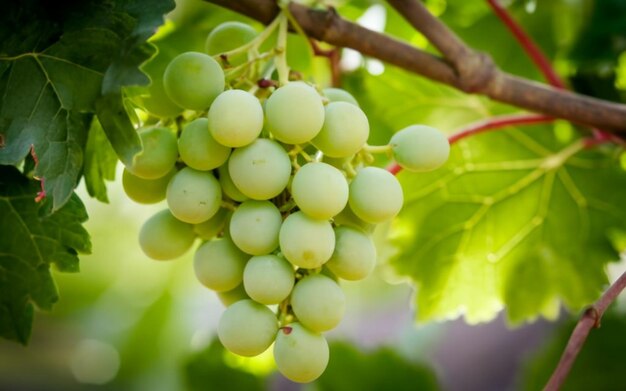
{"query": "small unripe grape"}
(212, 227)
(228, 36)
(198, 149)
(159, 154)
(235, 118)
(420, 148)
(306, 242)
(294, 113)
(232, 296)
(345, 130)
(339, 95)
(219, 264)
(247, 328)
(354, 257)
(347, 218)
(320, 190)
(193, 80)
(318, 302)
(375, 195)
(254, 227)
(301, 355)
(145, 191)
(268, 279)
(163, 237)
(228, 187)
(194, 196)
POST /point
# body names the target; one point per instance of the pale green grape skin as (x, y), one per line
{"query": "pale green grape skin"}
(235, 118)
(146, 191)
(193, 80)
(294, 113)
(347, 218)
(268, 279)
(212, 227)
(163, 237)
(228, 36)
(158, 103)
(318, 302)
(375, 195)
(228, 187)
(254, 227)
(301, 355)
(339, 95)
(159, 154)
(345, 130)
(354, 257)
(320, 190)
(260, 170)
(306, 242)
(232, 296)
(219, 264)
(247, 328)
(420, 148)
(198, 149)
(193, 196)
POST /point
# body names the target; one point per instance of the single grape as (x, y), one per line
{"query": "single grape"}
(198, 149)
(345, 130)
(268, 279)
(192, 80)
(260, 170)
(354, 257)
(158, 156)
(212, 227)
(306, 242)
(235, 118)
(320, 190)
(163, 237)
(254, 227)
(247, 328)
(339, 95)
(301, 355)
(219, 264)
(228, 36)
(146, 191)
(420, 148)
(228, 187)
(347, 218)
(318, 302)
(375, 195)
(194, 196)
(232, 296)
(294, 113)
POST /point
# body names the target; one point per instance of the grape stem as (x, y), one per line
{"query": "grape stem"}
(281, 51)
(228, 205)
(253, 44)
(377, 148)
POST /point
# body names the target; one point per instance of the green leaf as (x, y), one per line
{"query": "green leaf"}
(515, 219)
(100, 162)
(32, 240)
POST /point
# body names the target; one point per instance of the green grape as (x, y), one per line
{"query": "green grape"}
(228, 187)
(420, 148)
(348, 218)
(294, 113)
(354, 257)
(163, 237)
(260, 170)
(375, 195)
(345, 130)
(158, 156)
(219, 264)
(268, 279)
(228, 36)
(232, 296)
(320, 190)
(146, 191)
(301, 355)
(157, 102)
(194, 196)
(254, 227)
(192, 80)
(212, 227)
(247, 328)
(318, 302)
(339, 95)
(198, 149)
(306, 242)
(235, 118)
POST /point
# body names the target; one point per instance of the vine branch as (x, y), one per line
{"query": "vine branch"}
(589, 320)
(471, 71)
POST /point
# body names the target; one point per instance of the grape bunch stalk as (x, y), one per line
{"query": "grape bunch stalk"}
(274, 176)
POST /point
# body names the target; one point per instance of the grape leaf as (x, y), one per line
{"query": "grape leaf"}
(100, 162)
(32, 239)
(515, 219)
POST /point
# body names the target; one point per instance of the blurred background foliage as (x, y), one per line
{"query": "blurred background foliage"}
(129, 323)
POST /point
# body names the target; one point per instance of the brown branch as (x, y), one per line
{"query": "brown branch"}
(590, 319)
(468, 75)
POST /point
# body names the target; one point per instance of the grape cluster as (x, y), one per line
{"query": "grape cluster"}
(281, 194)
